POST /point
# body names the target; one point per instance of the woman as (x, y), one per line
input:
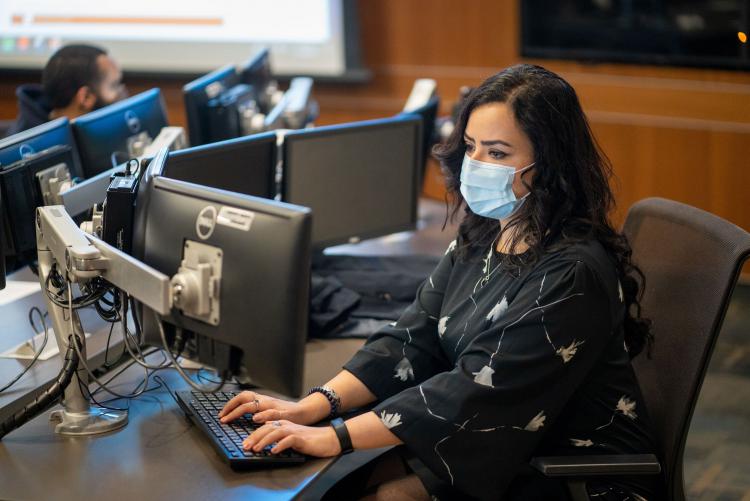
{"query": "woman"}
(519, 343)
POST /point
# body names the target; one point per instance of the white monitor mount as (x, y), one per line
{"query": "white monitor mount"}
(78, 258)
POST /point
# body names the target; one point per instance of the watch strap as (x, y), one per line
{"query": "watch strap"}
(342, 433)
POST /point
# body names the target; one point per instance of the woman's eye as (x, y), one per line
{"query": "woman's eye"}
(497, 155)
(469, 147)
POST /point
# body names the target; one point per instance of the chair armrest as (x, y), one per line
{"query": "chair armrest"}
(584, 466)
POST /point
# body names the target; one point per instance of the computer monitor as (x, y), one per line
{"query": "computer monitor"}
(25, 185)
(109, 136)
(360, 179)
(256, 72)
(428, 113)
(244, 165)
(53, 133)
(198, 93)
(259, 256)
(231, 114)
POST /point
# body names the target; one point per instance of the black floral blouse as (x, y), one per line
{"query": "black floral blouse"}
(491, 366)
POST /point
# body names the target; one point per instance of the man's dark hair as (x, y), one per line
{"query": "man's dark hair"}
(69, 69)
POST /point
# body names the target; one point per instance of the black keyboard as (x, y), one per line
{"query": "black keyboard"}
(203, 409)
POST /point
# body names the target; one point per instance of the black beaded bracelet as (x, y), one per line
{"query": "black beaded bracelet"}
(331, 396)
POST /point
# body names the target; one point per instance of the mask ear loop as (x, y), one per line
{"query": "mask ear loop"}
(526, 185)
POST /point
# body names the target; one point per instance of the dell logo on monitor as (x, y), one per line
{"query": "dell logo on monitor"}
(134, 123)
(206, 222)
(25, 150)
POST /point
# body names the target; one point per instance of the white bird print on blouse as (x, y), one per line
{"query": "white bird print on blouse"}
(536, 422)
(487, 260)
(432, 284)
(442, 325)
(451, 247)
(390, 420)
(404, 370)
(567, 352)
(581, 443)
(484, 376)
(627, 407)
(619, 292)
(498, 310)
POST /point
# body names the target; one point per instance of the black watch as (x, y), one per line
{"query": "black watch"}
(342, 433)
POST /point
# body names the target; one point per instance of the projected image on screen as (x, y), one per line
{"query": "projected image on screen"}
(305, 36)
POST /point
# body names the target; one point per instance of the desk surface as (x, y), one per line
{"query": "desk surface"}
(159, 455)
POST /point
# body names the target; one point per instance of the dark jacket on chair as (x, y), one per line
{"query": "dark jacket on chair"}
(32, 108)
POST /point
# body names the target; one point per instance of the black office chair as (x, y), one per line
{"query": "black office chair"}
(691, 260)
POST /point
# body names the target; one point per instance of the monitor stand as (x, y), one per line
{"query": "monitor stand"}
(77, 417)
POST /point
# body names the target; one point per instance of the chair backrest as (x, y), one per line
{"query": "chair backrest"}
(691, 260)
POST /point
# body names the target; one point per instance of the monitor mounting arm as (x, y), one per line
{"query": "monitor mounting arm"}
(79, 257)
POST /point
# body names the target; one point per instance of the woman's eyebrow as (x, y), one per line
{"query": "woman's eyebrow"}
(489, 142)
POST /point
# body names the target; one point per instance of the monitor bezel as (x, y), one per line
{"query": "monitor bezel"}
(333, 130)
(203, 151)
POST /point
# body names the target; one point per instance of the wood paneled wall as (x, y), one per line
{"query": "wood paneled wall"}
(673, 132)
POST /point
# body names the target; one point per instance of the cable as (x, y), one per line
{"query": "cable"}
(177, 366)
(126, 367)
(82, 359)
(126, 341)
(48, 396)
(38, 351)
(169, 390)
(107, 364)
(93, 291)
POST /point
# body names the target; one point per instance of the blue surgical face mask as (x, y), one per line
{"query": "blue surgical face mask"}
(488, 188)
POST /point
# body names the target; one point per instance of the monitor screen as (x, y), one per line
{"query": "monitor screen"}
(674, 32)
(105, 136)
(360, 179)
(198, 93)
(53, 133)
(306, 37)
(22, 193)
(262, 252)
(244, 165)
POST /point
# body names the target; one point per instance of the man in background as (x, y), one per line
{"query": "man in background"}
(77, 79)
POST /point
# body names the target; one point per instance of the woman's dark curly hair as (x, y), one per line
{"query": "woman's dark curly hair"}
(570, 198)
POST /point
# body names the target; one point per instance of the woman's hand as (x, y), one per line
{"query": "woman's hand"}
(311, 440)
(265, 408)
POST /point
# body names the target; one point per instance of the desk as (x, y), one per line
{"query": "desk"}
(159, 455)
